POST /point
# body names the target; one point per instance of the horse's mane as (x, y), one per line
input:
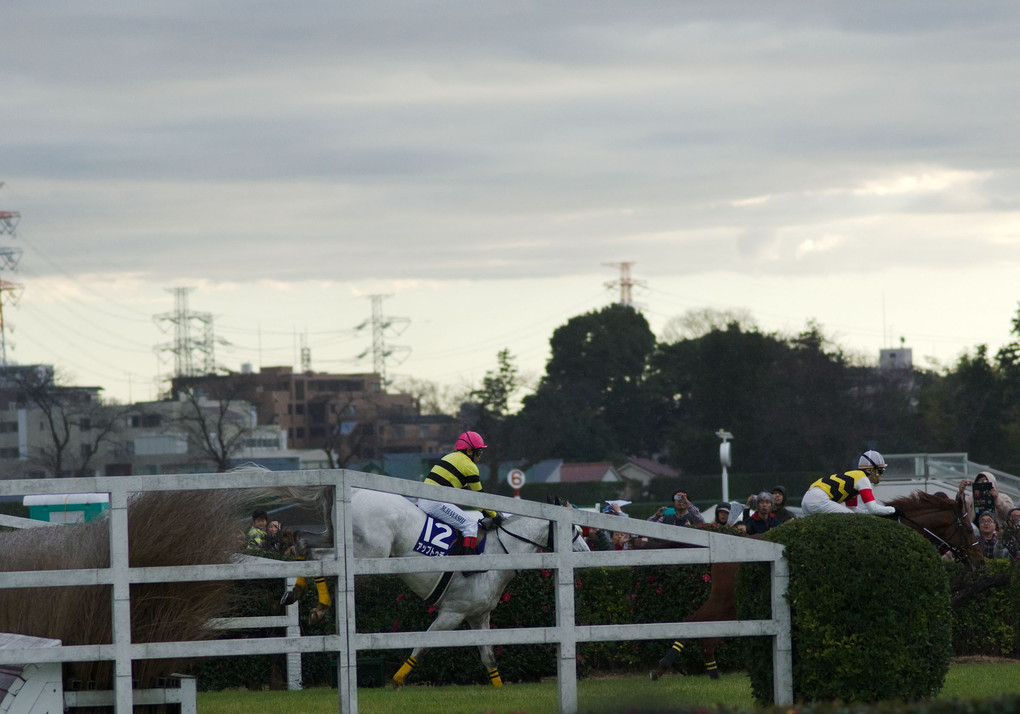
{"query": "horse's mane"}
(921, 501)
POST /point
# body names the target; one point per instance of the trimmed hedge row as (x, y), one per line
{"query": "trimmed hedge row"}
(870, 609)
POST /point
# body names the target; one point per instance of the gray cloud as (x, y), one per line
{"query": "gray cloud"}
(396, 140)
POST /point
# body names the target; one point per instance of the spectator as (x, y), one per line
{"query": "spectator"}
(683, 512)
(274, 537)
(597, 539)
(984, 496)
(1010, 541)
(722, 514)
(750, 506)
(615, 508)
(762, 519)
(779, 509)
(987, 536)
(256, 537)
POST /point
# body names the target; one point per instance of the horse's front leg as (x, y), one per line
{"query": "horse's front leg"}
(446, 620)
(481, 622)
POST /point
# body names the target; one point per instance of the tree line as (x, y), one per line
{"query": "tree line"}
(612, 390)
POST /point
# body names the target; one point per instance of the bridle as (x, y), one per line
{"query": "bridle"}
(959, 552)
(547, 548)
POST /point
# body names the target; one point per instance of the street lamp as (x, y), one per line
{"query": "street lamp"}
(724, 459)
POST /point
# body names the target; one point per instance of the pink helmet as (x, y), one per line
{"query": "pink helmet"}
(469, 440)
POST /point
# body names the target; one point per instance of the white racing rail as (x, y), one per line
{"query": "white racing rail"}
(346, 642)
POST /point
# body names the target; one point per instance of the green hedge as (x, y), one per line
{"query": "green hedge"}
(988, 623)
(870, 608)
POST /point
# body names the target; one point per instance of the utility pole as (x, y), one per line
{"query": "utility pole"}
(9, 291)
(184, 347)
(380, 325)
(625, 283)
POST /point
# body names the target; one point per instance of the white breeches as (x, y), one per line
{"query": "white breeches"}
(451, 515)
(817, 501)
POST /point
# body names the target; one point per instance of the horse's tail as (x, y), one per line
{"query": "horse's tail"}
(164, 529)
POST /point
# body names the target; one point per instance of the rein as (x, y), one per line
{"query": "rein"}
(959, 552)
(538, 546)
(503, 529)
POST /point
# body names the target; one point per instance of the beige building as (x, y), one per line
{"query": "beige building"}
(350, 415)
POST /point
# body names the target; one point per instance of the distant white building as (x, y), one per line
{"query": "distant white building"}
(896, 358)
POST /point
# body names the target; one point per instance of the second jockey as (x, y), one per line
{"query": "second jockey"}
(458, 469)
(840, 493)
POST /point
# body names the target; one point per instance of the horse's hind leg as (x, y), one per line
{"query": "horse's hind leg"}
(666, 663)
(481, 622)
(446, 620)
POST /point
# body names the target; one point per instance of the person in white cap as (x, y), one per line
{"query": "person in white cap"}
(849, 492)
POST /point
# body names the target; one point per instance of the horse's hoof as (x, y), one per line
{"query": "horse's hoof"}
(317, 615)
(714, 674)
(655, 674)
(289, 598)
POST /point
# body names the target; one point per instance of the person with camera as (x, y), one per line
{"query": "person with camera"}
(683, 512)
(984, 496)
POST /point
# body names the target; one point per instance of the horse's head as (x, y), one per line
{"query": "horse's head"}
(943, 522)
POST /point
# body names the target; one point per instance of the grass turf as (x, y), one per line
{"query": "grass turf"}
(967, 679)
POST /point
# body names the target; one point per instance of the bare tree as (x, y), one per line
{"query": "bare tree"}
(699, 322)
(76, 423)
(216, 423)
(347, 437)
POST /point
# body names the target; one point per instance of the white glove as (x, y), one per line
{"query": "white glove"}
(875, 508)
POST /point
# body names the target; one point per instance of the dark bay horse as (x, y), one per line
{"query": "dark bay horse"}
(937, 518)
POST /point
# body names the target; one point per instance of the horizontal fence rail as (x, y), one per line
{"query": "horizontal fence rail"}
(708, 547)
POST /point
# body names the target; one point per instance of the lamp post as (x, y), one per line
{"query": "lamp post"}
(724, 459)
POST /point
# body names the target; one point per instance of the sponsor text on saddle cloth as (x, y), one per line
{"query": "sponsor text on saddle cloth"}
(436, 538)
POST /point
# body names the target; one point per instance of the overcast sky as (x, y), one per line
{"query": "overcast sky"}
(486, 166)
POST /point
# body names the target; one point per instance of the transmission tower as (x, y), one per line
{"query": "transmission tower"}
(9, 291)
(380, 325)
(625, 283)
(192, 356)
(306, 355)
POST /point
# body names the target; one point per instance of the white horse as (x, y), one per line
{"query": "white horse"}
(388, 525)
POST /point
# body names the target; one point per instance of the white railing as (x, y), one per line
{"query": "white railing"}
(714, 548)
(943, 472)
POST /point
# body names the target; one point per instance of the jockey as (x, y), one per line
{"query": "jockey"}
(458, 469)
(838, 493)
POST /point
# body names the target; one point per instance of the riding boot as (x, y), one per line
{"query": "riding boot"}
(470, 547)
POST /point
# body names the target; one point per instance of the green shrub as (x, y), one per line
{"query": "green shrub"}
(989, 622)
(870, 610)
